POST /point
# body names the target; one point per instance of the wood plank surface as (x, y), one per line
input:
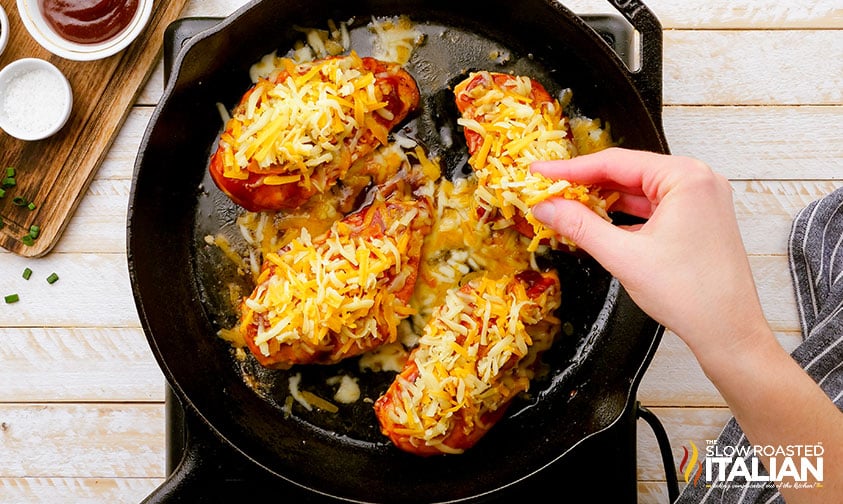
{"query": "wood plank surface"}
(57, 364)
(80, 490)
(81, 440)
(54, 173)
(755, 89)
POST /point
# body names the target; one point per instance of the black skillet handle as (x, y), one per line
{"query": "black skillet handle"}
(648, 78)
(191, 467)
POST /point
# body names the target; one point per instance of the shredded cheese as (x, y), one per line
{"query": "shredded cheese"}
(476, 354)
(517, 127)
(396, 39)
(302, 120)
(342, 292)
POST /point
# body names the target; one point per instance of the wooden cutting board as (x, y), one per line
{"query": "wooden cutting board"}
(54, 173)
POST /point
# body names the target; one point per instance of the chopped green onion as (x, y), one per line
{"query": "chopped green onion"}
(2, 193)
(28, 240)
(10, 171)
(52, 278)
(9, 182)
(34, 231)
(31, 206)
(27, 273)
(12, 298)
(19, 201)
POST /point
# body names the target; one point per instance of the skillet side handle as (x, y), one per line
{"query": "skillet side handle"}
(188, 479)
(648, 78)
(191, 479)
(191, 467)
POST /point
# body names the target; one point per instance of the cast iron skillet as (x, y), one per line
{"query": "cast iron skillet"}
(180, 283)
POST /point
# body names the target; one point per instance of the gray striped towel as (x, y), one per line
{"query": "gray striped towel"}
(816, 267)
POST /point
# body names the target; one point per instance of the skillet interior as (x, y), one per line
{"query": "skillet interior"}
(176, 278)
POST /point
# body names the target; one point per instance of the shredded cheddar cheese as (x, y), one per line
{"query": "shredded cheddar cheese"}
(340, 293)
(476, 354)
(517, 129)
(301, 120)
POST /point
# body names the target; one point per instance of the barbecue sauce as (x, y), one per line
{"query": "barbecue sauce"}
(88, 21)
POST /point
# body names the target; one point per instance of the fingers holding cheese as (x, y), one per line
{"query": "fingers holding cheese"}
(509, 122)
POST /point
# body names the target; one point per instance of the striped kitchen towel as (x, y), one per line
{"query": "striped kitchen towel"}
(816, 267)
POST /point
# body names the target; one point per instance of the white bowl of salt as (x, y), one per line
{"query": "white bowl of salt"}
(35, 99)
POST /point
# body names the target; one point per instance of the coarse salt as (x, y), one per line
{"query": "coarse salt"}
(34, 102)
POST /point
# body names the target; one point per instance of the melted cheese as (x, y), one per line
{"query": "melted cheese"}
(461, 245)
(396, 39)
(474, 356)
(301, 121)
(341, 286)
(516, 132)
(348, 391)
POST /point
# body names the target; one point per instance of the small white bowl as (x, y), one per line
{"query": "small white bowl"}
(35, 99)
(37, 26)
(4, 29)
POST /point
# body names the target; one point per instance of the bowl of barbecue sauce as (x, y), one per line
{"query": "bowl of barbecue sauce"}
(84, 30)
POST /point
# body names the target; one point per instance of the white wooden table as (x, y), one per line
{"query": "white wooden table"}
(754, 88)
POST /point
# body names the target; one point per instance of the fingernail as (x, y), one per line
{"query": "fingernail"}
(544, 212)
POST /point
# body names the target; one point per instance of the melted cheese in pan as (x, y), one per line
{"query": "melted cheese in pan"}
(461, 245)
(303, 120)
(475, 355)
(515, 132)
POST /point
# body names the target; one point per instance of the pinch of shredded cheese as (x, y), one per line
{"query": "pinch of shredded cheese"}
(516, 132)
(303, 121)
(475, 355)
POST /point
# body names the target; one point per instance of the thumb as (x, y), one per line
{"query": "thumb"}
(588, 230)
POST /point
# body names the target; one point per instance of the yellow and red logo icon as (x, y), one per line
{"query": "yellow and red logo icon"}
(691, 465)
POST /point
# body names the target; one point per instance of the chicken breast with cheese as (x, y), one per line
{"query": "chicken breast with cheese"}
(477, 353)
(296, 135)
(509, 122)
(322, 299)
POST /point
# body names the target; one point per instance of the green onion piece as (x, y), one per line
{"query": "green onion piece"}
(12, 298)
(19, 201)
(34, 231)
(28, 240)
(9, 182)
(2, 193)
(31, 206)
(52, 278)
(10, 171)
(27, 273)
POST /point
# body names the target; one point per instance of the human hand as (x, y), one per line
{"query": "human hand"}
(686, 265)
